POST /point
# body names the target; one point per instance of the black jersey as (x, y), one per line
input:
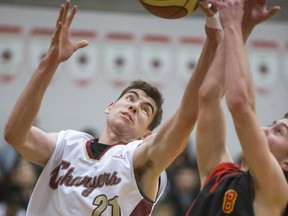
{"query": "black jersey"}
(227, 192)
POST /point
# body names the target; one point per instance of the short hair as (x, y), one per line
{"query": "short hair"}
(286, 115)
(153, 93)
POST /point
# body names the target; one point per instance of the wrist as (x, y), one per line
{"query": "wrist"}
(213, 21)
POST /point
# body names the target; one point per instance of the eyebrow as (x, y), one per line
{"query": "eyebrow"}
(281, 124)
(284, 125)
(137, 95)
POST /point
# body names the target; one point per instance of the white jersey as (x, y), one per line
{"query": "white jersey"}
(74, 184)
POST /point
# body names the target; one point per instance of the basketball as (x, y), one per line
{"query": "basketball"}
(170, 9)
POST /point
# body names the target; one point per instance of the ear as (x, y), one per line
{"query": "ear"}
(108, 108)
(148, 133)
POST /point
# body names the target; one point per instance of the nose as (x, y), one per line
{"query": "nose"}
(265, 130)
(132, 109)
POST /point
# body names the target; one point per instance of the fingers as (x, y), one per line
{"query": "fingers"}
(63, 17)
(61, 12)
(56, 35)
(71, 16)
(216, 3)
(204, 7)
(207, 8)
(67, 5)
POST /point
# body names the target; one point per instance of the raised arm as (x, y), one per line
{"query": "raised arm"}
(33, 143)
(255, 12)
(211, 141)
(241, 103)
(163, 148)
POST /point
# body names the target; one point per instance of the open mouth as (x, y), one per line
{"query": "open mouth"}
(127, 115)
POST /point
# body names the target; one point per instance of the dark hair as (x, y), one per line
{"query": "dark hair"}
(286, 115)
(153, 93)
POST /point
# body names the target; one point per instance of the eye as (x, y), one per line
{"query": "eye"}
(278, 130)
(147, 110)
(130, 98)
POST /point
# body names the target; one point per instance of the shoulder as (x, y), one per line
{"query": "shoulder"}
(223, 170)
(73, 135)
(70, 139)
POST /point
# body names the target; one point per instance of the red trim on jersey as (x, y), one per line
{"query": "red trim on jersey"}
(223, 169)
(88, 149)
(143, 208)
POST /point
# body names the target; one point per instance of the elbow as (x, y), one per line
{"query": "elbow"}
(238, 103)
(209, 93)
(8, 135)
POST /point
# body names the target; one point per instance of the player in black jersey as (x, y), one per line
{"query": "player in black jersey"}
(258, 187)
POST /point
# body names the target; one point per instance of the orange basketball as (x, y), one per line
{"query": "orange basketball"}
(170, 9)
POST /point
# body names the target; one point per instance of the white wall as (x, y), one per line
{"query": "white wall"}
(68, 105)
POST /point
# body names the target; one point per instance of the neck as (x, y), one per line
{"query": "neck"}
(110, 138)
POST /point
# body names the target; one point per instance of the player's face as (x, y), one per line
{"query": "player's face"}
(277, 136)
(131, 115)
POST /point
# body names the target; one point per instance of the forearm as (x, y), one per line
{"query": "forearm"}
(28, 104)
(190, 97)
(238, 78)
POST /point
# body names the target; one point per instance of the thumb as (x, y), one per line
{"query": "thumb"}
(82, 44)
(273, 11)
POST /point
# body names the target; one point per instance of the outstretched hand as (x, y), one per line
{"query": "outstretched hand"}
(62, 48)
(255, 12)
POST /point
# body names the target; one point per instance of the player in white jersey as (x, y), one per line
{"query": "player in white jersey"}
(121, 173)
(100, 183)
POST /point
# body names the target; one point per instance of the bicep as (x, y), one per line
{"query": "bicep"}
(38, 146)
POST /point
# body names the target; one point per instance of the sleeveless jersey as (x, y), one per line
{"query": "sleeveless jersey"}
(227, 192)
(72, 183)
